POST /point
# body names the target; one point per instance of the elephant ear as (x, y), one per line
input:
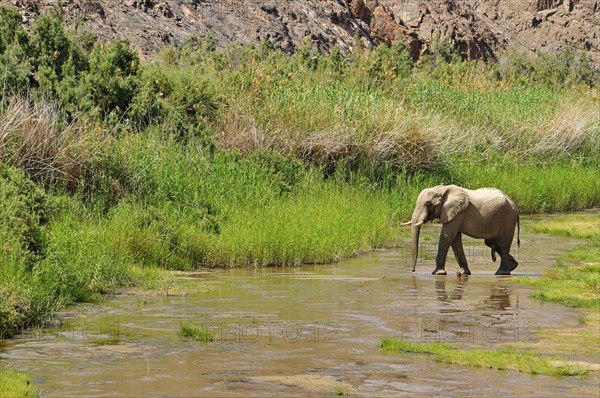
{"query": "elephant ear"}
(454, 201)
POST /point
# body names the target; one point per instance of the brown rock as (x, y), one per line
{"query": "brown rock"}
(479, 29)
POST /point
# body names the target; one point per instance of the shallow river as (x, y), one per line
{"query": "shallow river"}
(310, 331)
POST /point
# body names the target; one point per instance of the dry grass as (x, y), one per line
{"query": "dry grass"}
(34, 137)
(398, 138)
(323, 122)
(574, 125)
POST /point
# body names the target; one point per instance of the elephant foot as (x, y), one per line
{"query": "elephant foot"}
(439, 271)
(463, 271)
(514, 265)
(502, 272)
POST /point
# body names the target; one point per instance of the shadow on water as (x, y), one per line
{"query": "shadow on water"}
(310, 331)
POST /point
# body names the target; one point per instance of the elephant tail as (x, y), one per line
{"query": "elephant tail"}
(518, 231)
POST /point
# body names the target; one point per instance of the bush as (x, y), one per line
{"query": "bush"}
(23, 212)
(15, 67)
(562, 69)
(179, 100)
(111, 83)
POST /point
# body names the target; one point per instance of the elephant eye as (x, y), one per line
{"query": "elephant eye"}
(428, 203)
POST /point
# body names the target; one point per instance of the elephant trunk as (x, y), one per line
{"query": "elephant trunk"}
(416, 229)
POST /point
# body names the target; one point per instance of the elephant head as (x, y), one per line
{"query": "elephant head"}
(443, 202)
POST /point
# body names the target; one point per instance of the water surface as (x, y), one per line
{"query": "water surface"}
(309, 331)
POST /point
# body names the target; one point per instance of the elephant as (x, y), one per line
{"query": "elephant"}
(485, 213)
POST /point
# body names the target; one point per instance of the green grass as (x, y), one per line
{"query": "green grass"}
(572, 284)
(575, 279)
(15, 384)
(198, 334)
(502, 359)
(573, 226)
(535, 186)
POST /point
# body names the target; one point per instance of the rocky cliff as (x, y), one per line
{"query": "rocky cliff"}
(478, 28)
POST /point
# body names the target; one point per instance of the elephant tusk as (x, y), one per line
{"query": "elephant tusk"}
(406, 223)
(419, 224)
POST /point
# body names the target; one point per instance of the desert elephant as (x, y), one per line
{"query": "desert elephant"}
(485, 213)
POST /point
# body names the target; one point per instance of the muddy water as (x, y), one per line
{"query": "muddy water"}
(310, 331)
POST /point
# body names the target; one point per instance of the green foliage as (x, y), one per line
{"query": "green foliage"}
(111, 82)
(50, 49)
(10, 27)
(15, 67)
(45, 265)
(82, 73)
(385, 65)
(503, 359)
(80, 262)
(564, 68)
(262, 209)
(180, 100)
(23, 212)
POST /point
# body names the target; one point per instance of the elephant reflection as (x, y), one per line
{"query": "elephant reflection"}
(457, 292)
(498, 299)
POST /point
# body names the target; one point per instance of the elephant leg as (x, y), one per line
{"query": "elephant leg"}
(492, 244)
(459, 253)
(513, 263)
(504, 268)
(447, 236)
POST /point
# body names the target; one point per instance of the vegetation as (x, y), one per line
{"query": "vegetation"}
(199, 334)
(575, 279)
(582, 226)
(16, 384)
(502, 359)
(111, 167)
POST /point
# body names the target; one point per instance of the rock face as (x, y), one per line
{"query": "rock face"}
(479, 28)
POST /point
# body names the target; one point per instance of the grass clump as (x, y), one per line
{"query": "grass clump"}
(16, 384)
(340, 391)
(575, 279)
(35, 138)
(503, 359)
(198, 334)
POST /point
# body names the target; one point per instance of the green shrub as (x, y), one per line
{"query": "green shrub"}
(111, 82)
(560, 69)
(23, 212)
(15, 67)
